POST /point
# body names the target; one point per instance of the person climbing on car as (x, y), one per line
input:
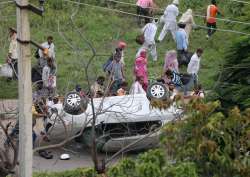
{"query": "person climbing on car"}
(140, 68)
(48, 77)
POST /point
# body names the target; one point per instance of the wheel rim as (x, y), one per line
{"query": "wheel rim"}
(157, 91)
(73, 100)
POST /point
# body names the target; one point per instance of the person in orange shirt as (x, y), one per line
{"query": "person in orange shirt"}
(212, 11)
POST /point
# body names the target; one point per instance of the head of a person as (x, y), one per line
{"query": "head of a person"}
(189, 12)
(171, 55)
(213, 2)
(140, 79)
(78, 88)
(169, 74)
(171, 86)
(176, 2)
(122, 45)
(117, 56)
(55, 100)
(197, 88)
(181, 25)
(12, 32)
(199, 52)
(124, 85)
(143, 53)
(160, 80)
(100, 80)
(50, 39)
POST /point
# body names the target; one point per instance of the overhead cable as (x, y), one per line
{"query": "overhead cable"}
(196, 15)
(132, 14)
(244, 2)
(6, 2)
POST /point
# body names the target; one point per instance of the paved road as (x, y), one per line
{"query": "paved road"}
(80, 156)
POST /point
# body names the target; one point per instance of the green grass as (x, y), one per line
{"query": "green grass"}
(103, 29)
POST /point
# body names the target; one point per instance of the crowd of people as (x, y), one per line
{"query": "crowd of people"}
(44, 72)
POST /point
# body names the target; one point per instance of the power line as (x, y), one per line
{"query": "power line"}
(6, 2)
(132, 14)
(196, 15)
(244, 2)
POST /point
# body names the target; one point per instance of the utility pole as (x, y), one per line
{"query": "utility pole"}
(24, 90)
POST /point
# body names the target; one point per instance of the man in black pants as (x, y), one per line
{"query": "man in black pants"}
(144, 8)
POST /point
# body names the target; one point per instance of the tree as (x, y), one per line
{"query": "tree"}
(234, 79)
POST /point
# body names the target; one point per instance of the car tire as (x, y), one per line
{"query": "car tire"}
(157, 91)
(75, 104)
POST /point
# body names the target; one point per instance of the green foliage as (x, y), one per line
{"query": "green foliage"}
(234, 85)
(217, 145)
(73, 173)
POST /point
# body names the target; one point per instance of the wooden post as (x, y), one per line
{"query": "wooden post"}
(24, 91)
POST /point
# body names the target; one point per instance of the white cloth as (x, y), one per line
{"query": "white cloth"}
(136, 88)
(194, 65)
(150, 30)
(45, 76)
(51, 48)
(13, 48)
(170, 14)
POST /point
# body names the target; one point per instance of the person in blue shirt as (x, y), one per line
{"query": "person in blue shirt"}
(182, 44)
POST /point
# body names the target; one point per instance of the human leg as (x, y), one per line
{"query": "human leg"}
(163, 33)
(153, 52)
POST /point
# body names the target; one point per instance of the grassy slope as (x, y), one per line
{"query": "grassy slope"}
(103, 29)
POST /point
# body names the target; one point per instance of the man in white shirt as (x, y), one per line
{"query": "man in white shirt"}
(12, 55)
(50, 52)
(170, 14)
(193, 69)
(149, 31)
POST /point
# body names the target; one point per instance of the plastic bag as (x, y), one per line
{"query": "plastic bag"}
(6, 71)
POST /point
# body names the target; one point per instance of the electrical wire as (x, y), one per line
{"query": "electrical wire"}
(196, 15)
(6, 2)
(244, 2)
(132, 14)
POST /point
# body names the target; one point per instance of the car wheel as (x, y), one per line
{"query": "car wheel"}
(157, 91)
(75, 104)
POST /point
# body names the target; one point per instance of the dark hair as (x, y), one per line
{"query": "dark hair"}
(124, 84)
(160, 80)
(181, 25)
(168, 72)
(213, 2)
(100, 78)
(50, 37)
(55, 100)
(138, 78)
(199, 50)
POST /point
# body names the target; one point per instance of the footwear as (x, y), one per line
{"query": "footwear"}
(45, 154)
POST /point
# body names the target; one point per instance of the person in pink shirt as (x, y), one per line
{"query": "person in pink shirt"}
(171, 62)
(140, 68)
(144, 8)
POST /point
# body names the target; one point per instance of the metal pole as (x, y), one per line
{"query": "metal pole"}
(25, 91)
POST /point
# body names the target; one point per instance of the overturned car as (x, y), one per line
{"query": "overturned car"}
(120, 121)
